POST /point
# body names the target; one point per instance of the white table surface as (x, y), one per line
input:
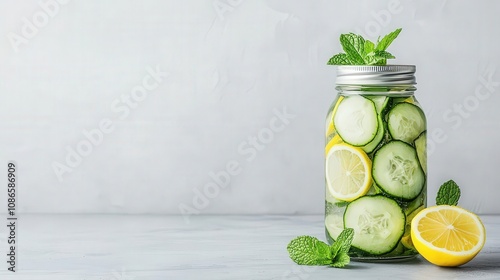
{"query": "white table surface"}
(117, 247)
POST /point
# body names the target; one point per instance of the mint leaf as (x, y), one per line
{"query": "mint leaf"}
(341, 260)
(383, 54)
(448, 194)
(375, 60)
(354, 47)
(359, 51)
(369, 48)
(309, 251)
(339, 59)
(387, 40)
(343, 242)
(378, 58)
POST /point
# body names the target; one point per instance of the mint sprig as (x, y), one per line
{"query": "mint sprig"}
(340, 248)
(387, 40)
(359, 51)
(448, 194)
(354, 47)
(308, 250)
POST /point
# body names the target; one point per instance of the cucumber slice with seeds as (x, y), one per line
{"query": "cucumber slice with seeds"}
(378, 223)
(405, 122)
(356, 120)
(397, 171)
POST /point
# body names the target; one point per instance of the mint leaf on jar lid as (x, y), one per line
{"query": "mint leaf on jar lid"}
(359, 51)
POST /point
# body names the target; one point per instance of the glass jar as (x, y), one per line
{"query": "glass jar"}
(376, 160)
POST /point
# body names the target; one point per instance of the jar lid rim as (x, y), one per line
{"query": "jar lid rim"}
(391, 74)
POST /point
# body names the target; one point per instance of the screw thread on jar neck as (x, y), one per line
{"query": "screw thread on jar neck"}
(396, 90)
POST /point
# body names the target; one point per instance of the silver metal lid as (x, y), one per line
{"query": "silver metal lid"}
(376, 75)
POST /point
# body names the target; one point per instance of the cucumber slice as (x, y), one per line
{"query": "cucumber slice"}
(368, 148)
(374, 189)
(396, 252)
(380, 104)
(379, 101)
(410, 206)
(406, 239)
(408, 99)
(405, 122)
(378, 223)
(421, 146)
(356, 120)
(334, 225)
(397, 172)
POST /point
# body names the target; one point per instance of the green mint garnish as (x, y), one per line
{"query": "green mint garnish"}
(359, 51)
(308, 250)
(340, 248)
(354, 47)
(387, 40)
(343, 242)
(339, 59)
(448, 194)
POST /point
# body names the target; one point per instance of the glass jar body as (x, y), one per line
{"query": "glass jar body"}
(375, 169)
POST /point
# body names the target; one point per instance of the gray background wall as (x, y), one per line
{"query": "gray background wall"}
(224, 72)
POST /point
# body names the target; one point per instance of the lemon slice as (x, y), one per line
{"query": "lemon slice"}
(335, 140)
(348, 172)
(331, 127)
(447, 235)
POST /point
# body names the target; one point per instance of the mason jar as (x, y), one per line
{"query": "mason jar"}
(375, 160)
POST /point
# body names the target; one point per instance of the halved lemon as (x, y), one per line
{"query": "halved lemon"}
(348, 172)
(447, 235)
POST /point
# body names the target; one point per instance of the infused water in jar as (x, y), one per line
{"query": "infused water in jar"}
(375, 160)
